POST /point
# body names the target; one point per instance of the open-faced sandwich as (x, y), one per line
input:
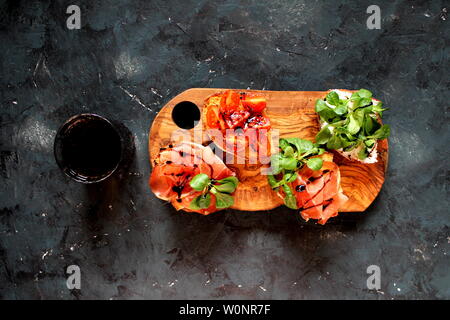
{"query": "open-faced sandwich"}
(241, 121)
(350, 123)
(306, 177)
(193, 178)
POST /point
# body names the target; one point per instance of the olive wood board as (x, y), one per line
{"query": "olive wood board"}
(292, 113)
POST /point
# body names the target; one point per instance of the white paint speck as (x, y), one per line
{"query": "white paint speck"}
(155, 92)
(171, 284)
(47, 253)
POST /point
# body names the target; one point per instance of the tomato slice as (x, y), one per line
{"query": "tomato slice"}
(237, 119)
(255, 104)
(258, 121)
(211, 118)
(230, 101)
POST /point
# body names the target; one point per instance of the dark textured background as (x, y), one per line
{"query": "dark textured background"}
(128, 59)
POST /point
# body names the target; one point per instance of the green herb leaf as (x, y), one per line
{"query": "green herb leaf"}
(320, 151)
(378, 108)
(333, 98)
(334, 143)
(320, 105)
(381, 133)
(353, 125)
(365, 102)
(327, 115)
(199, 182)
(367, 109)
(369, 143)
(363, 93)
(355, 96)
(290, 177)
(194, 204)
(368, 124)
(201, 202)
(227, 187)
(223, 200)
(301, 145)
(272, 181)
(275, 163)
(362, 154)
(204, 200)
(289, 163)
(288, 151)
(231, 179)
(359, 116)
(314, 163)
(283, 144)
(350, 146)
(341, 109)
(323, 136)
(289, 200)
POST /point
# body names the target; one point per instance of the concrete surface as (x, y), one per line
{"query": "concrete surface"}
(127, 60)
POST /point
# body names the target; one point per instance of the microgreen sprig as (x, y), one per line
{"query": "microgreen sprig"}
(351, 123)
(294, 153)
(221, 189)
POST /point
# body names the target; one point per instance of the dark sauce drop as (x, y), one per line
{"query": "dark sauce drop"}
(177, 190)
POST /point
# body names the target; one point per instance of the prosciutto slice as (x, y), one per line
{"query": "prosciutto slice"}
(318, 193)
(177, 165)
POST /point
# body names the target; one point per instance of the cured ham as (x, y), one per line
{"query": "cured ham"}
(318, 193)
(177, 165)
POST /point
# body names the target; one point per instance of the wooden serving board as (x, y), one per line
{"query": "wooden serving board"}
(292, 113)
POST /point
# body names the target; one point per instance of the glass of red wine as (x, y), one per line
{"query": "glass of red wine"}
(88, 148)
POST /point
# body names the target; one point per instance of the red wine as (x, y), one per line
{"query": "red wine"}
(88, 148)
